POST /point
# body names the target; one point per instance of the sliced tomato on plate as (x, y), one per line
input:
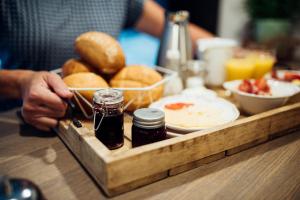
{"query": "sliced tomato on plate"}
(177, 106)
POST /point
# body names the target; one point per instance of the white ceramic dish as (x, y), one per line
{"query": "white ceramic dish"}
(253, 104)
(206, 112)
(280, 74)
(199, 92)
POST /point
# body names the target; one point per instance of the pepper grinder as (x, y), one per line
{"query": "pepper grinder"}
(175, 46)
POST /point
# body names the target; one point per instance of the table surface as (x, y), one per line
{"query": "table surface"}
(268, 171)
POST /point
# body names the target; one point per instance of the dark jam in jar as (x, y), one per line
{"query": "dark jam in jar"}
(148, 126)
(109, 117)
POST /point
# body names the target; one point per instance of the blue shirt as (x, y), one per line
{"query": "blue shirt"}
(39, 34)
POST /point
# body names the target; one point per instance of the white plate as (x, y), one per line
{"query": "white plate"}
(216, 110)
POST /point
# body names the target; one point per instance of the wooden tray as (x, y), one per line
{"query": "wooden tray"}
(126, 168)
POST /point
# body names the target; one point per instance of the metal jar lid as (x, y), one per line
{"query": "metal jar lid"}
(108, 96)
(149, 118)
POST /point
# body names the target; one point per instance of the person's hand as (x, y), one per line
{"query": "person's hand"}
(43, 94)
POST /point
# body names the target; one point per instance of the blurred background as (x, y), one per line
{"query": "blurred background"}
(270, 24)
(253, 23)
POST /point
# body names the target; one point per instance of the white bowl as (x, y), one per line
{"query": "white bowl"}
(253, 104)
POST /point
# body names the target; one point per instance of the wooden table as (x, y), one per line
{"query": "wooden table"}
(268, 171)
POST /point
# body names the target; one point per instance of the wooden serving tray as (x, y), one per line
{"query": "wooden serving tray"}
(126, 168)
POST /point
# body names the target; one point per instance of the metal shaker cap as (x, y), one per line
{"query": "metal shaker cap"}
(148, 118)
(181, 16)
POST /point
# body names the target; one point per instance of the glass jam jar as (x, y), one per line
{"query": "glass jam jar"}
(148, 126)
(109, 117)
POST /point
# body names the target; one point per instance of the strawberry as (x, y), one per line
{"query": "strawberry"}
(274, 74)
(290, 76)
(246, 86)
(262, 85)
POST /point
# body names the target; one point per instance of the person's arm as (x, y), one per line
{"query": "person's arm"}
(43, 95)
(152, 22)
(10, 83)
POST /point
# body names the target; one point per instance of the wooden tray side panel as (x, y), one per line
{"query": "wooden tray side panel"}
(124, 170)
(89, 151)
(141, 162)
(288, 119)
(195, 164)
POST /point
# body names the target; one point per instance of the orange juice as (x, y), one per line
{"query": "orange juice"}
(263, 64)
(239, 68)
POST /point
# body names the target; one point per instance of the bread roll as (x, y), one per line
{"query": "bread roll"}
(101, 51)
(72, 66)
(85, 80)
(138, 76)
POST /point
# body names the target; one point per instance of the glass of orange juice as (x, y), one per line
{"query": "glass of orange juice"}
(264, 62)
(239, 68)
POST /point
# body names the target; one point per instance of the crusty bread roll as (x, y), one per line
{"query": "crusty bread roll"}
(72, 66)
(138, 76)
(85, 80)
(101, 51)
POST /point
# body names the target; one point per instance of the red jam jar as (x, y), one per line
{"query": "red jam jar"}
(148, 126)
(109, 117)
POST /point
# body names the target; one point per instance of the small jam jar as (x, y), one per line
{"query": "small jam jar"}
(148, 126)
(109, 117)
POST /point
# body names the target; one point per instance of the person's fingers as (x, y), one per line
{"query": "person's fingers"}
(41, 111)
(31, 116)
(59, 87)
(44, 111)
(32, 119)
(43, 96)
(45, 122)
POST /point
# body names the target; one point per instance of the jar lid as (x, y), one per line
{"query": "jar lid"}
(108, 96)
(149, 118)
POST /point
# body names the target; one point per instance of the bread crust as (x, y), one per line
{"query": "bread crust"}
(138, 76)
(73, 66)
(100, 50)
(85, 80)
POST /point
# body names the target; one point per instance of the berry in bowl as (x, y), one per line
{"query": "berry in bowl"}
(291, 76)
(256, 96)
